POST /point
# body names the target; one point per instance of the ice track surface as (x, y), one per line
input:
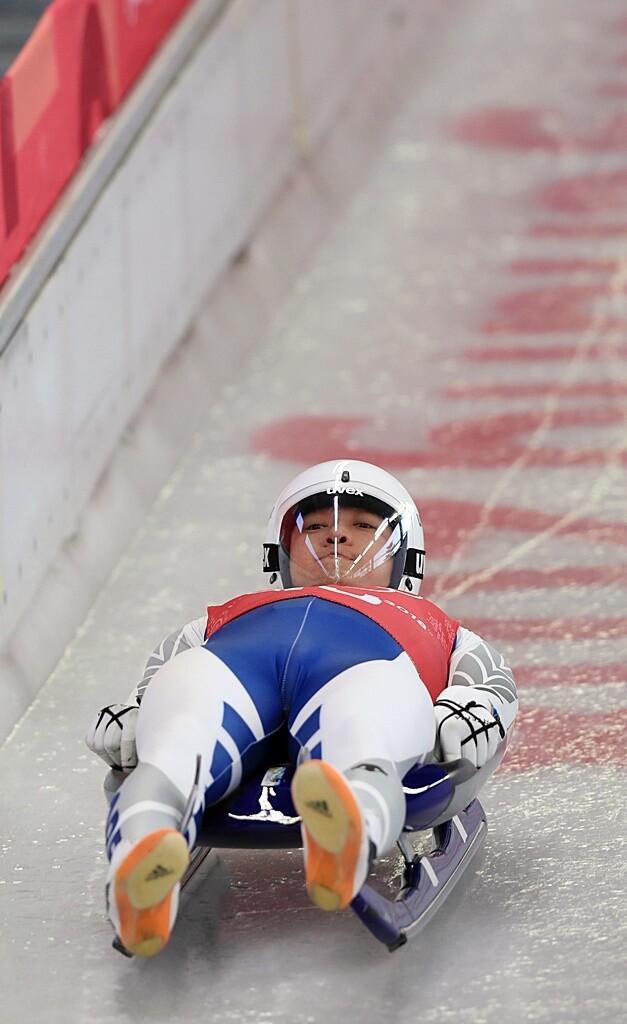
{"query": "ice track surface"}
(463, 324)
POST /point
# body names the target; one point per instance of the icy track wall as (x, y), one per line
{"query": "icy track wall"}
(240, 93)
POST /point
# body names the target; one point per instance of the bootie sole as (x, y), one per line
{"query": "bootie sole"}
(143, 890)
(333, 833)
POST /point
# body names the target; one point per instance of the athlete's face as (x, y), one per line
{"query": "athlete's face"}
(346, 545)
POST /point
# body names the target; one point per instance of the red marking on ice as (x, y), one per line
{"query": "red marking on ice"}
(607, 389)
(533, 128)
(564, 266)
(559, 628)
(612, 90)
(587, 193)
(548, 736)
(562, 307)
(447, 522)
(577, 230)
(545, 736)
(530, 676)
(499, 580)
(508, 128)
(547, 353)
(489, 441)
(499, 440)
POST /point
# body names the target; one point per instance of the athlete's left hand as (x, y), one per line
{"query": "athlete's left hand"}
(467, 725)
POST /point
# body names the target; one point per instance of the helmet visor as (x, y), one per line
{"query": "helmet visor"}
(351, 539)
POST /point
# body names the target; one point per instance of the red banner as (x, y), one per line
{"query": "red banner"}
(75, 69)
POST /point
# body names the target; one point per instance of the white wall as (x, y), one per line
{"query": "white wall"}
(252, 101)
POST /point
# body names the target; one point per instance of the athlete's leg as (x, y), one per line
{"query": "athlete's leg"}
(195, 707)
(375, 720)
(362, 728)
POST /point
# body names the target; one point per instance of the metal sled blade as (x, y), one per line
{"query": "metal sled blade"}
(429, 881)
(197, 858)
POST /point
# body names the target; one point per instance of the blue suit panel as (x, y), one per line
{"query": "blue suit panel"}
(284, 654)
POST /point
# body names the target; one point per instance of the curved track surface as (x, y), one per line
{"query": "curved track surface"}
(463, 324)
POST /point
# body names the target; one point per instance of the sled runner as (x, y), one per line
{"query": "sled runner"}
(261, 816)
(427, 879)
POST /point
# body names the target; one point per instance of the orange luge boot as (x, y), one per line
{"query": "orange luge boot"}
(337, 850)
(143, 891)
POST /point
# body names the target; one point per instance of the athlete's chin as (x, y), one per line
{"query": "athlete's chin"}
(315, 581)
(325, 580)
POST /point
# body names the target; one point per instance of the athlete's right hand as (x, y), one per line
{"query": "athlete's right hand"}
(112, 735)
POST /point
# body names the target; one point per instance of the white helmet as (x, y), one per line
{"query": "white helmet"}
(347, 483)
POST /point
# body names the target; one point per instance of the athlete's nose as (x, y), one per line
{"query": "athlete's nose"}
(336, 535)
